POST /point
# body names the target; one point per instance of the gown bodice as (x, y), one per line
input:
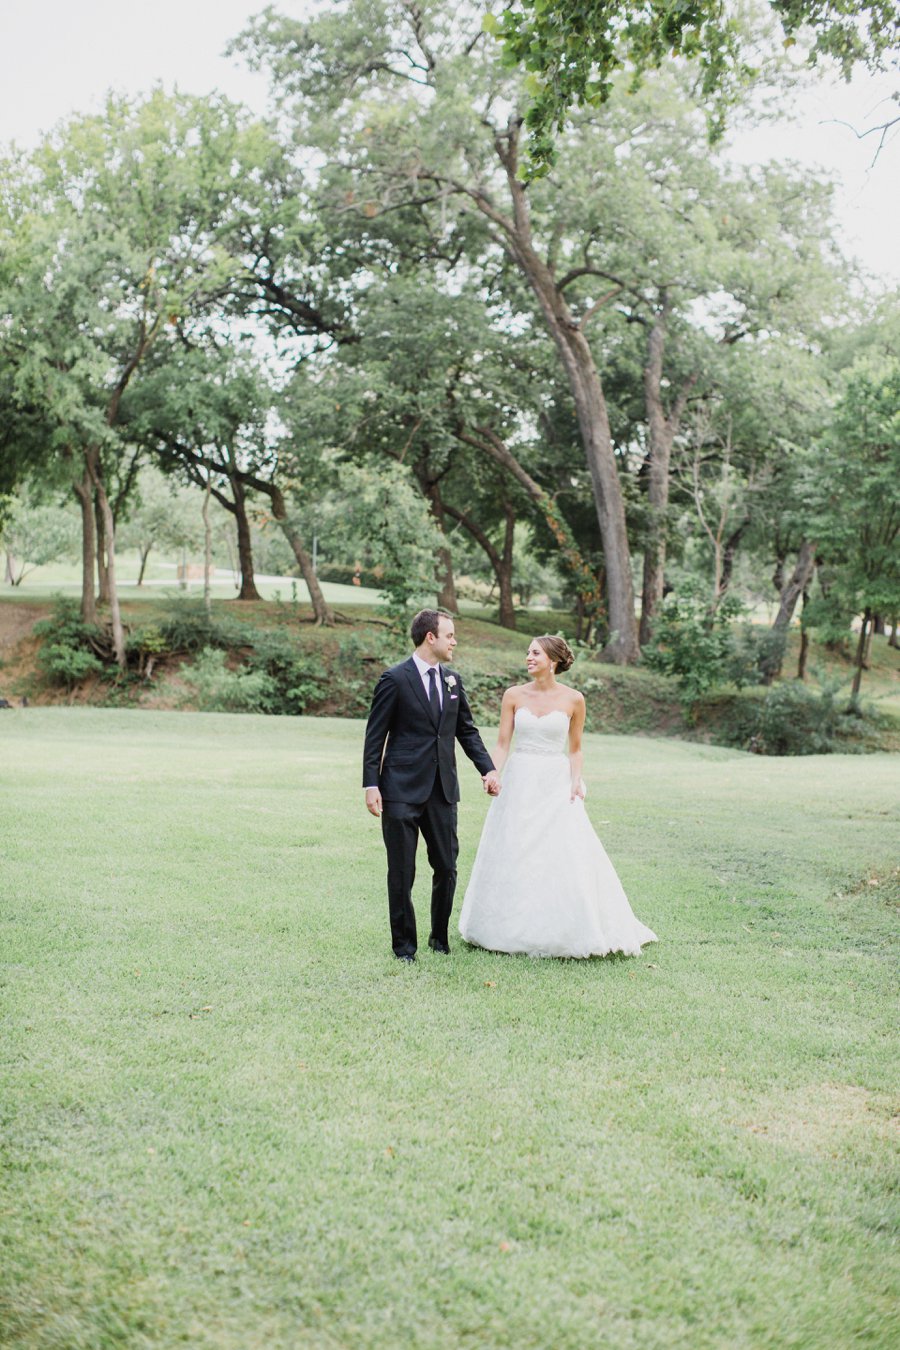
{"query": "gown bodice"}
(546, 735)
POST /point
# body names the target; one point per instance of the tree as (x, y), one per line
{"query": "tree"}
(854, 489)
(573, 49)
(159, 517)
(413, 114)
(114, 222)
(33, 534)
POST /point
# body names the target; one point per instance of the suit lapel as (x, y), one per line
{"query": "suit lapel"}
(415, 680)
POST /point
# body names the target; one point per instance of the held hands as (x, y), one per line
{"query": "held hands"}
(373, 801)
(491, 783)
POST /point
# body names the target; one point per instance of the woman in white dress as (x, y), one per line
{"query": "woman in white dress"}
(542, 883)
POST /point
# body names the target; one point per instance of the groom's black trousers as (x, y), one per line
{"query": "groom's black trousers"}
(401, 824)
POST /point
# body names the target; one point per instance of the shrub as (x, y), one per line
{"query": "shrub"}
(756, 655)
(692, 645)
(294, 680)
(66, 656)
(218, 689)
(190, 627)
(791, 719)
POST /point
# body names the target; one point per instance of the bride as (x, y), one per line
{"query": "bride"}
(542, 882)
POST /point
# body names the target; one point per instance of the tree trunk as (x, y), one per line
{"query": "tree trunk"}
(796, 585)
(207, 547)
(860, 652)
(446, 596)
(324, 614)
(892, 640)
(10, 570)
(593, 423)
(145, 554)
(109, 531)
(589, 587)
(662, 427)
(729, 553)
(84, 491)
(587, 393)
(504, 576)
(878, 625)
(248, 589)
(804, 643)
(502, 563)
(102, 567)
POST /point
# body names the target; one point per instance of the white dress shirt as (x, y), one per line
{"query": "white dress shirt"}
(423, 668)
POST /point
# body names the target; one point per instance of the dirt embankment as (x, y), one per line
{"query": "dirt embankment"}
(17, 646)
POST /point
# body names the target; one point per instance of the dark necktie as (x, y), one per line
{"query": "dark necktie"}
(433, 701)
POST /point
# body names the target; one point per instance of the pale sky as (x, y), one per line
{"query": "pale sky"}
(61, 56)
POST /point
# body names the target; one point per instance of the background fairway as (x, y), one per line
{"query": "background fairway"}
(230, 1119)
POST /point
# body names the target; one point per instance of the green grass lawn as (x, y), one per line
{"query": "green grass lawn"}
(230, 1119)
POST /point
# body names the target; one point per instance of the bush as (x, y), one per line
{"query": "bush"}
(295, 681)
(218, 689)
(691, 645)
(756, 655)
(66, 655)
(791, 719)
(190, 627)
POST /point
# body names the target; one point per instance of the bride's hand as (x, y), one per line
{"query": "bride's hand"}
(578, 790)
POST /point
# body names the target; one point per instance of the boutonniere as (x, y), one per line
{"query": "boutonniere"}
(451, 681)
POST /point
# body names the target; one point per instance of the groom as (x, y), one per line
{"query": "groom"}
(409, 773)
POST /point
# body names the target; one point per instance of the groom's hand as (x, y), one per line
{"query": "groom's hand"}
(373, 801)
(492, 784)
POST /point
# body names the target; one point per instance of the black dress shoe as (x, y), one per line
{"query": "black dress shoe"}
(441, 947)
(404, 956)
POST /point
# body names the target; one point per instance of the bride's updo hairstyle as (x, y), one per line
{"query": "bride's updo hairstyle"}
(558, 650)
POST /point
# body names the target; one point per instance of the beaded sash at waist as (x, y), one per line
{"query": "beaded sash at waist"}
(539, 750)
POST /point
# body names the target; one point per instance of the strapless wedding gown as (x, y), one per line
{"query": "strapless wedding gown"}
(542, 882)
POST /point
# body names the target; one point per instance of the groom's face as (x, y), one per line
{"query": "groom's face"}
(444, 639)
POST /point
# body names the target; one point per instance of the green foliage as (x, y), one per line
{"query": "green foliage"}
(383, 500)
(792, 719)
(65, 655)
(572, 49)
(692, 645)
(35, 533)
(217, 688)
(756, 655)
(189, 626)
(294, 681)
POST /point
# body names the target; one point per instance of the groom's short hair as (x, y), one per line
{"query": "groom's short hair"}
(425, 622)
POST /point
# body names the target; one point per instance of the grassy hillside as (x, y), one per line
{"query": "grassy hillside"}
(338, 666)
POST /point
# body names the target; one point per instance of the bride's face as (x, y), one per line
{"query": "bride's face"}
(537, 662)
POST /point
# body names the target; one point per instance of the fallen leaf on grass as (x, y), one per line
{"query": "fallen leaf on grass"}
(490, 984)
(651, 965)
(389, 1152)
(207, 1007)
(505, 1247)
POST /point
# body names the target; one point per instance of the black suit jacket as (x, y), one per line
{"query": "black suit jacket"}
(404, 748)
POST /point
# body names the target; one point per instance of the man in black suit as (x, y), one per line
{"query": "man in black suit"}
(419, 711)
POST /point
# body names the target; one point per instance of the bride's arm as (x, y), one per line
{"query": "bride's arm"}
(576, 759)
(507, 726)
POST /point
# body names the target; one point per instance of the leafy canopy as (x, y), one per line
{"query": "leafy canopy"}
(573, 48)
